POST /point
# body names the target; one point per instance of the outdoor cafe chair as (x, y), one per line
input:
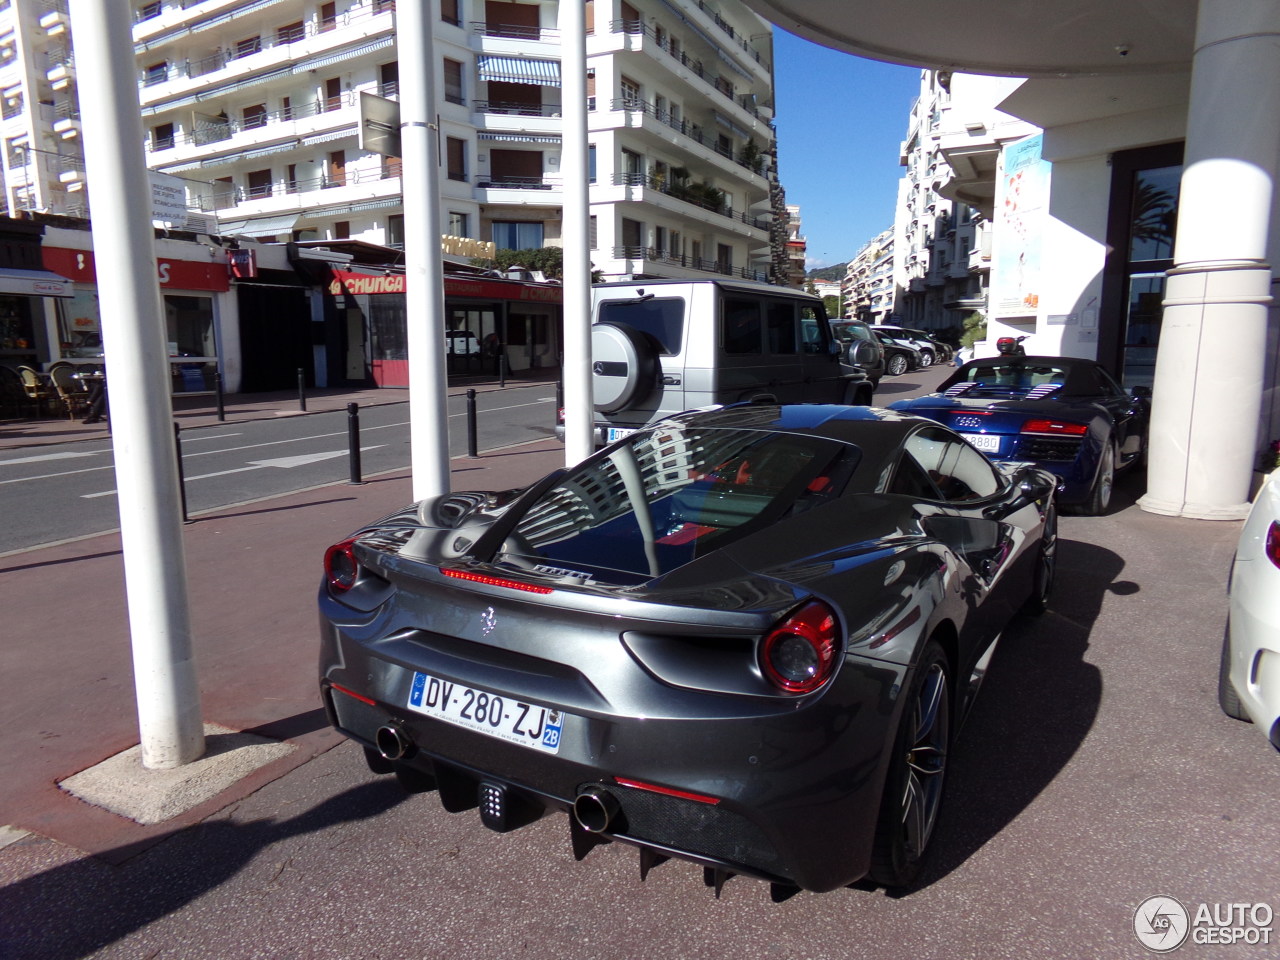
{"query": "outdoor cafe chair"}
(71, 391)
(37, 388)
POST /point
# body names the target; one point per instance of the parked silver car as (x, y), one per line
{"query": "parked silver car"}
(742, 637)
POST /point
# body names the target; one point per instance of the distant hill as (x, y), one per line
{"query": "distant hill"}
(828, 273)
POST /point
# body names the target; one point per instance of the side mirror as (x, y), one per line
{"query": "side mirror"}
(1033, 485)
(1141, 393)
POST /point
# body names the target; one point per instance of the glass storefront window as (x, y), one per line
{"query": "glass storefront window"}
(79, 325)
(193, 358)
(1154, 213)
(1142, 328)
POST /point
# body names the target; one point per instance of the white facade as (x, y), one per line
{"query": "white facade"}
(869, 287)
(257, 108)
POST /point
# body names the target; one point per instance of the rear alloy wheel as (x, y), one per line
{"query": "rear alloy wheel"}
(1104, 482)
(1046, 566)
(926, 358)
(1228, 699)
(897, 365)
(917, 771)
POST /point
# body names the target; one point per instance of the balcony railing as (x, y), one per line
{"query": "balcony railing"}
(225, 197)
(691, 130)
(517, 109)
(514, 31)
(654, 255)
(212, 130)
(219, 59)
(668, 45)
(683, 190)
(502, 181)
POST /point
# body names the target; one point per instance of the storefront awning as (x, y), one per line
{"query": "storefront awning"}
(34, 283)
(262, 227)
(545, 73)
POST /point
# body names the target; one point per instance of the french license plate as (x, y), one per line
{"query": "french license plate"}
(617, 433)
(488, 713)
(986, 442)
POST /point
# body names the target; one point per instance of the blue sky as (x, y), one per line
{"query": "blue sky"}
(840, 122)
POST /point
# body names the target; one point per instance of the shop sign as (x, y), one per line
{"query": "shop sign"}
(78, 265)
(365, 284)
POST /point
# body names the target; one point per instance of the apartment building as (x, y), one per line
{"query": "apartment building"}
(255, 106)
(868, 284)
(943, 221)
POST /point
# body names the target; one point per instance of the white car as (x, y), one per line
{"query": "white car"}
(1249, 677)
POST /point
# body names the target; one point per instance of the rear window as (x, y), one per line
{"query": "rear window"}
(661, 318)
(1014, 378)
(667, 496)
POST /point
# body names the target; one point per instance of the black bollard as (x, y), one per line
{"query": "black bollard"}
(302, 391)
(182, 481)
(217, 390)
(502, 368)
(353, 440)
(471, 425)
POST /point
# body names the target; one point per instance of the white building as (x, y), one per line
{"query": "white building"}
(257, 108)
(868, 285)
(942, 223)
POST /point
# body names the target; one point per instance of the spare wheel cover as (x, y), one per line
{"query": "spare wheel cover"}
(624, 366)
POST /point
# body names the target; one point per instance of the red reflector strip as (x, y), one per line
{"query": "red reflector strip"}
(494, 581)
(667, 791)
(352, 693)
(1055, 428)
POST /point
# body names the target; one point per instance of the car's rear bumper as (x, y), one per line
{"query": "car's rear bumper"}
(1254, 625)
(792, 797)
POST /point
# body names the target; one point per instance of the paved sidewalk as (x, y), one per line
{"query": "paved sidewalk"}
(253, 570)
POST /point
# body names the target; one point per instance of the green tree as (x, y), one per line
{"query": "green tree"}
(832, 303)
(974, 330)
(548, 260)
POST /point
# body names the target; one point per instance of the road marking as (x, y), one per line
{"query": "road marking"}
(44, 457)
(515, 406)
(284, 463)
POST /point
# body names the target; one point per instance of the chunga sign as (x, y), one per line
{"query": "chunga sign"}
(365, 284)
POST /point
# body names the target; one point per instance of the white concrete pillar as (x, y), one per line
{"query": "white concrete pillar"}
(423, 264)
(136, 349)
(1209, 370)
(579, 413)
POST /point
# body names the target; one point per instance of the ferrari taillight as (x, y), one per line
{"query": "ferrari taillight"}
(340, 566)
(799, 654)
(494, 581)
(1055, 428)
(1273, 543)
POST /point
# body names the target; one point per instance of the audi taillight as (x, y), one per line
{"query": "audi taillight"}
(1273, 543)
(1055, 428)
(340, 566)
(799, 654)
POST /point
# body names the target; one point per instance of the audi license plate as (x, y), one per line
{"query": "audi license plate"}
(986, 442)
(488, 713)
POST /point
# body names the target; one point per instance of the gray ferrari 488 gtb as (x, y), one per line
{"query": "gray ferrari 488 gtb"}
(743, 637)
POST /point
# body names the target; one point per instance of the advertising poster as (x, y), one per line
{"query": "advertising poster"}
(1022, 205)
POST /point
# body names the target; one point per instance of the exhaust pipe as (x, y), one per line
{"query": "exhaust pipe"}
(392, 743)
(594, 809)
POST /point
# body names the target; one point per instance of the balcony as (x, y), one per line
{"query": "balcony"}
(517, 117)
(510, 189)
(638, 257)
(314, 117)
(746, 159)
(512, 40)
(696, 194)
(284, 195)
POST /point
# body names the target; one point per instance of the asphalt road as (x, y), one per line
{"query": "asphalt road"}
(66, 490)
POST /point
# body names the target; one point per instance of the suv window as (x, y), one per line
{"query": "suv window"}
(741, 330)
(661, 319)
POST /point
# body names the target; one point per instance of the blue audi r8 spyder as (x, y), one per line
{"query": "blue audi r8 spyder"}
(1065, 414)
